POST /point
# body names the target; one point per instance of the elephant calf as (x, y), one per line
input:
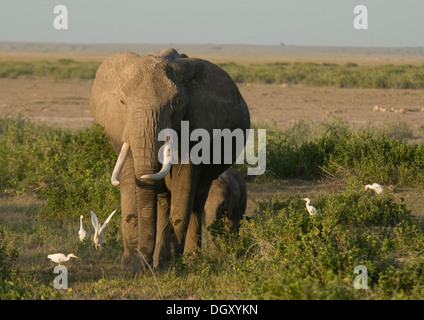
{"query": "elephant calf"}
(226, 199)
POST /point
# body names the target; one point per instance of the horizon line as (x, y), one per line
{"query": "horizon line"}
(204, 44)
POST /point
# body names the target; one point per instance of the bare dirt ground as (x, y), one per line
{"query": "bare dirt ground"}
(59, 103)
(66, 104)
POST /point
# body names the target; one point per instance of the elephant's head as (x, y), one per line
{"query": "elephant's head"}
(231, 203)
(153, 97)
(224, 201)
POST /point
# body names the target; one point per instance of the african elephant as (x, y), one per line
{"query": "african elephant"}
(226, 199)
(134, 98)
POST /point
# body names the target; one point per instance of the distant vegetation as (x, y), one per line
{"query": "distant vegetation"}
(59, 70)
(349, 75)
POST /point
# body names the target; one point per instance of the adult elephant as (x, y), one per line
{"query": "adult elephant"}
(134, 98)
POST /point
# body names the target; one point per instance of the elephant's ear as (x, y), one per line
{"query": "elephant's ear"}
(213, 95)
(233, 210)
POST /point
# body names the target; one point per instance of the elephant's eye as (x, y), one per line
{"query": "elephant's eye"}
(122, 101)
(175, 103)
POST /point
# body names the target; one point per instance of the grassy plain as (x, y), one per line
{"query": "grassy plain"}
(51, 175)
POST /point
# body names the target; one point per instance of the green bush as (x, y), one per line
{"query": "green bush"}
(70, 171)
(372, 155)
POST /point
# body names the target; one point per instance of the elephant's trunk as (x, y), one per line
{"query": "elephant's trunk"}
(142, 134)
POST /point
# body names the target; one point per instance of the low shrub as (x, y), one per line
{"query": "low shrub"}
(70, 171)
(370, 155)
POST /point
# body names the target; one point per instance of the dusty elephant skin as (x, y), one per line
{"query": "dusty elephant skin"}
(227, 198)
(134, 98)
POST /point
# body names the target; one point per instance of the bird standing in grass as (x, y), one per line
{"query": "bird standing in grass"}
(60, 257)
(98, 230)
(376, 187)
(311, 209)
(82, 233)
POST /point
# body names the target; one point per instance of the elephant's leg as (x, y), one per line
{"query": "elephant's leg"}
(184, 182)
(210, 218)
(164, 207)
(194, 235)
(130, 261)
(194, 231)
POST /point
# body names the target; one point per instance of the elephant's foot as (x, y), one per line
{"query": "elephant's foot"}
(169, 246)
(132, 262)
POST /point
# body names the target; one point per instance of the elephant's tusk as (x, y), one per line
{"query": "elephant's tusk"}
(166, 166)
(119, 164)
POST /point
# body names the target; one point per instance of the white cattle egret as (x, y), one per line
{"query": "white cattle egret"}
(312, 211)
(376, 187)
(60, 257)
(98, 231)
(82, 233)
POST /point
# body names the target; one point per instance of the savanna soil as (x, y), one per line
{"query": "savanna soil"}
(66, 103)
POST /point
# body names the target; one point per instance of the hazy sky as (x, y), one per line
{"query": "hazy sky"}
(391, 23)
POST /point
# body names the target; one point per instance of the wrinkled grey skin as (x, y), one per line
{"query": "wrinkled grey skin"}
(227, 199)
(133, 98)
